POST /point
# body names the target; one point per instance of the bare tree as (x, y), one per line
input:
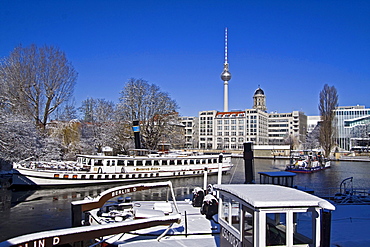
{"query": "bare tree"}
(36, 81)
(67, 112)
(327, 105)
(292, 141)
(154, 109)
(87, 110)
(100, 125)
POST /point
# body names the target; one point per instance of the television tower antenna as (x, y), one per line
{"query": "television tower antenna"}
(226, 76)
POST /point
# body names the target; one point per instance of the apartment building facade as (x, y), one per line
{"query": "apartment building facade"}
(229, 130)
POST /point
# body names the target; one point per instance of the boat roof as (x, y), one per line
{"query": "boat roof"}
(278, 174)
(169, 156)
(273, 196)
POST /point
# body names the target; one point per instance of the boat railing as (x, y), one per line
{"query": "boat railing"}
(341, 196)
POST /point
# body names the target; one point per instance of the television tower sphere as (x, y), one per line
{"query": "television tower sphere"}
(226, 75)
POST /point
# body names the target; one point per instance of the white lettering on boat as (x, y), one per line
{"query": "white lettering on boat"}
(229, 237)
(123, 191)
(56, 240)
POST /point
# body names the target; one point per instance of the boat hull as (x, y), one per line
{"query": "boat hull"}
(298, 170)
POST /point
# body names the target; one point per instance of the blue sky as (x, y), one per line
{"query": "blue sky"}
(289, 48)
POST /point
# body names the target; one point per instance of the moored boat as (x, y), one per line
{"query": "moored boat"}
(307, 162)
(101, 169)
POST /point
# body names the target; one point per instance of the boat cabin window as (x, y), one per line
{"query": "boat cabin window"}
(172, 162)
(108, 162)
(231, 212)
(120, 162)
(275, 229)
(113, 162)
(139, 162)
(248, 226)
(98, 163)
(84, 161)
(303, 227)
(156, 163)
(225, 213)
(130, 163)
(235, 214)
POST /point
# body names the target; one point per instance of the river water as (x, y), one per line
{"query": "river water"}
(23, 212)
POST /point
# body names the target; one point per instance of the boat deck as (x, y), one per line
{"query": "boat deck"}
(194, 230)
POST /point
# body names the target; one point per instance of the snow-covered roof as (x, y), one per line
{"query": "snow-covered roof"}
(267, 196)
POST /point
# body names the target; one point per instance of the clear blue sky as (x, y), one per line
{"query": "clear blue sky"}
(289, 48)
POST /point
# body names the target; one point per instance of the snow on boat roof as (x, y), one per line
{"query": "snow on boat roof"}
(267, 196)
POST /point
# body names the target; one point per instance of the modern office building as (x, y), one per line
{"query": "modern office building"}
(347, 118)
(286, 128)
(312, 122)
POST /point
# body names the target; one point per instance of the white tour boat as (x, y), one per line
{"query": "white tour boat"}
(100, 169)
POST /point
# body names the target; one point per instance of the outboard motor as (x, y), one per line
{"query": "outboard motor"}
(209, 207)
(198, 196)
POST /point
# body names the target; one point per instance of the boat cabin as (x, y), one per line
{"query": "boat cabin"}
(278, 178)
(271, 215)
(282, 178)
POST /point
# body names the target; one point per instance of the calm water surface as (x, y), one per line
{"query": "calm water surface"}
(24, 212)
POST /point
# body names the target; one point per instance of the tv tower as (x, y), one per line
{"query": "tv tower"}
(226, 76)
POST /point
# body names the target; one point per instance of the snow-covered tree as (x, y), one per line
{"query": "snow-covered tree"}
(68, 112)
(19, 137)
(100, 125)
(36, 81)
